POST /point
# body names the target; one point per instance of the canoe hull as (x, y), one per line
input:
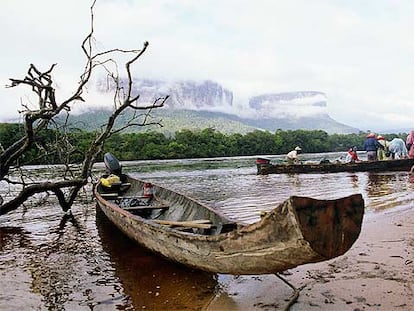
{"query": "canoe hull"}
(363, 166)
(298, 231)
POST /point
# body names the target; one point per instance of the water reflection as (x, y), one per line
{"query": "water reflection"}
(151, 282)
(13, 237)
(354, 181)
(411, 181)
(379, 184)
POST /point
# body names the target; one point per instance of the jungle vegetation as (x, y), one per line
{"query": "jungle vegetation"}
(183, 144)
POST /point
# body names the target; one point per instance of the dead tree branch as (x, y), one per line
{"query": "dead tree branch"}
(48, 108)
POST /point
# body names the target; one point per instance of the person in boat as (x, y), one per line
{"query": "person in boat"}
(293, 156)
(352, 155)
(371, 146)
(410, 144)
(398, 149)
(383, 150)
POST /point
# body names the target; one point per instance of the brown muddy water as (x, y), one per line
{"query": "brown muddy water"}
(51, 261)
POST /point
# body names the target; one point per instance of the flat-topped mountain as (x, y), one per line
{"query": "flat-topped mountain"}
(201, 104)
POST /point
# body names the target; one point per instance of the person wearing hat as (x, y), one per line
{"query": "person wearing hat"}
(292, 156)
(383, 152)
(371, 145)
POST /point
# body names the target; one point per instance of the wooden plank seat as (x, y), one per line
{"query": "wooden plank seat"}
(124, 186)
(141, 207)
(109, 195)
(198, 223)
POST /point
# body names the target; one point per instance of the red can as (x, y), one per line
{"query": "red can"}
(148, 190)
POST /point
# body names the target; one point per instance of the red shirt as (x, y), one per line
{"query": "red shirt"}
(353, 154)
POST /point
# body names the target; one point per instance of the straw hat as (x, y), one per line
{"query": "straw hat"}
(298, 148)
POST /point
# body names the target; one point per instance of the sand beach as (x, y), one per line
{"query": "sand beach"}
(377, 273)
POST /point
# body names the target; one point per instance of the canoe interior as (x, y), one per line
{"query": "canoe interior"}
(324, 223)
(167, 205)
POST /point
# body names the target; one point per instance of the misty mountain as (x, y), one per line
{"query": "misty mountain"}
(201, 104)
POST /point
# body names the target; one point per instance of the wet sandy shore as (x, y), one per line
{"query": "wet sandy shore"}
(376, 274)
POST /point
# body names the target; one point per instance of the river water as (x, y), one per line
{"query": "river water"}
(49, 261)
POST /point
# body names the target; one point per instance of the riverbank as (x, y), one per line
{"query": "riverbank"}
(376, 274)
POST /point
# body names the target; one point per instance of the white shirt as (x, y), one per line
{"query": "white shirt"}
(292, 155)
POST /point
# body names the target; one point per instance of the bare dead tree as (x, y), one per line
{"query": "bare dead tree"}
(48, 109)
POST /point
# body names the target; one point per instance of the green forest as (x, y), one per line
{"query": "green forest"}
(53, 146)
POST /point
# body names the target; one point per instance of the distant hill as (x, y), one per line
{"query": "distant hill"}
(177, 119)
(171, 119)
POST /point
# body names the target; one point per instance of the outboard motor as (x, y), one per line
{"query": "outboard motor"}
(112, 164)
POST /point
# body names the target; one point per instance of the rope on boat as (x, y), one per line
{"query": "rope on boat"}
(294, 298)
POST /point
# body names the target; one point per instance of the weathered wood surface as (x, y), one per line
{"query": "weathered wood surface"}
(201, 224)
(142, 207)
(299, 231)
(363, 166)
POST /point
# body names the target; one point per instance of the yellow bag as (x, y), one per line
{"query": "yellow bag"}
(110, 180)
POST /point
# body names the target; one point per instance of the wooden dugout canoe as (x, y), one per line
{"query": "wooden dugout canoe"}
(264, 168)
(301, 230)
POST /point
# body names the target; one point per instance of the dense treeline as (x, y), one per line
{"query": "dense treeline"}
(184, 144)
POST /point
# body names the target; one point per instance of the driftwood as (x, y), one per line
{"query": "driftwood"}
(45, 115)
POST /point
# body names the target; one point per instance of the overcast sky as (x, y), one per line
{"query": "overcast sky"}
(360, 53)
